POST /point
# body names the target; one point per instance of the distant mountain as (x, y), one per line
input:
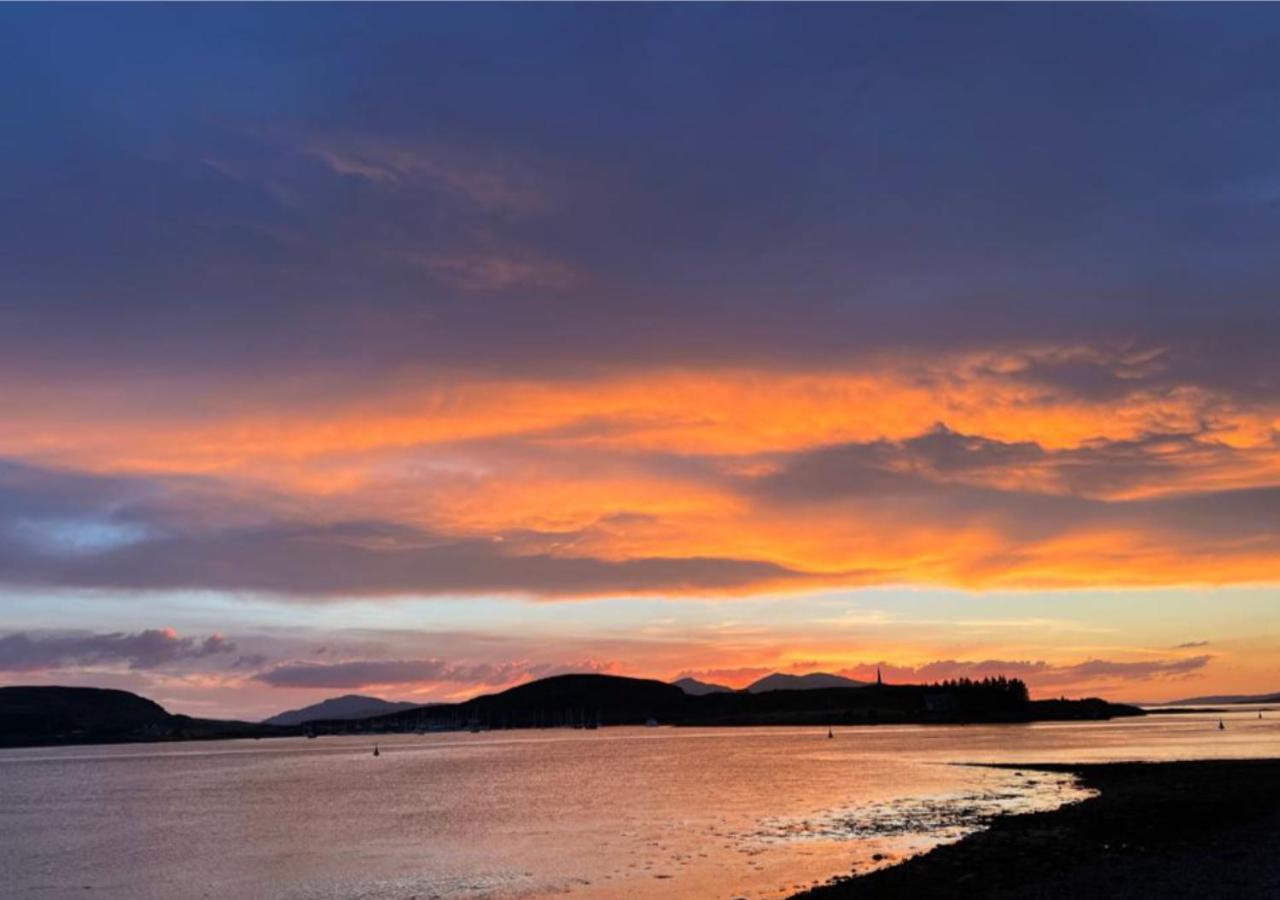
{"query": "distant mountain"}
(39, 716)
(780, 682)
(1219, 699)
(698, 688)
(348, 706)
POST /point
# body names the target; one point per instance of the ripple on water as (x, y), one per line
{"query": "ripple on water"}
(915, 824)
(423, 887)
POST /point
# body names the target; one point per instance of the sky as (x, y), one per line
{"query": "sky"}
(423, 350)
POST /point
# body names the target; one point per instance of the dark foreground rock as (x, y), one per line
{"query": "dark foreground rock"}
(1159, 830)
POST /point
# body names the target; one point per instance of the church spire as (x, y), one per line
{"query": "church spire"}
(879, 680)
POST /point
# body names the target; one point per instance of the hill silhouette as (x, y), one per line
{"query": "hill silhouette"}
(696, 687)
(35, 716)
(566, 700)
(779, 681)
(348, 706)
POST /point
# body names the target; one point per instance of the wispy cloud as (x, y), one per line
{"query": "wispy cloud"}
(391, 163)
(497, 270)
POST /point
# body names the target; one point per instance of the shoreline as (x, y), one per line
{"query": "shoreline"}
(1205, 828)
(203, 730)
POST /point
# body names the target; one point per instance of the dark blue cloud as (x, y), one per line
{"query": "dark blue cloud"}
(149, 649)
(794, 184)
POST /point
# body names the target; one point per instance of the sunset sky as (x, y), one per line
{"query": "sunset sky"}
(419, 351)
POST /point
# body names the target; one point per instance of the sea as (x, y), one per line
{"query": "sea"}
(616, 812)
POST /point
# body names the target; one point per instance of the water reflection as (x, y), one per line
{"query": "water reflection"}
(619, 812)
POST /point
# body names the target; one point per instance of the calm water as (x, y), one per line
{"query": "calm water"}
(618, 812)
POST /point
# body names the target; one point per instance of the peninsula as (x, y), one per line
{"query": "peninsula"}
(63, 715)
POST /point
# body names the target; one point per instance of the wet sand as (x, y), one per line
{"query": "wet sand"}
(1207, 829)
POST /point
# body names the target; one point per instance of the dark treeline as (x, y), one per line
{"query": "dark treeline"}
(994, 692)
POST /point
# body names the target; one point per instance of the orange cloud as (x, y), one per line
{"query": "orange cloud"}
(814, 478)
